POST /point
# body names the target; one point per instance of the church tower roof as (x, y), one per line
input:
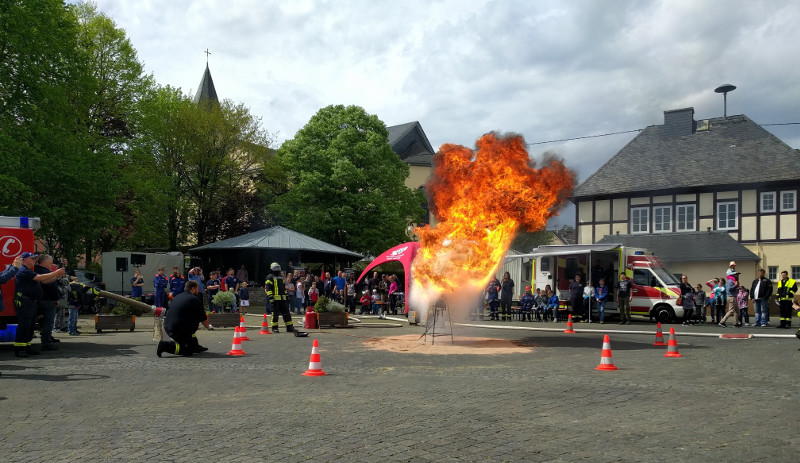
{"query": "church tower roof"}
(206, 93)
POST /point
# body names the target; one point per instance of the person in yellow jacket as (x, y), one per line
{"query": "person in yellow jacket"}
(275, 287)
(796, 306)
(785, 295)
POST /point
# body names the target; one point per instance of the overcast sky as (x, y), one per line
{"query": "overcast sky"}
(548, 70)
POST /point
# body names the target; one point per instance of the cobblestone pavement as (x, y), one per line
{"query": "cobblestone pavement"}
(108, 397)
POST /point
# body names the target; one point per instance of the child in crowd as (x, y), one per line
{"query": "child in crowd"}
(493, 296)
(600, 295)
(313, 294)
(244, 296)
(552, 306)
(700, 304)
(376, 302)
(742, 300)
(539, 301)
(365, 302)
(717, 295)
(526, 302)
(74, 299)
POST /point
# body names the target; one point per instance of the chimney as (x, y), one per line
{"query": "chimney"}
(679, 122)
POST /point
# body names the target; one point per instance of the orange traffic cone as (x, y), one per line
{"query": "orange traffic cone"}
(606, 364)
(659, 337)
(242, 330)
(672, 346)
(236, 348)
(569, 325)
(264, 326)
(314, 364)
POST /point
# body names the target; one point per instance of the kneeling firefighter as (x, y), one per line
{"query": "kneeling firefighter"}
(275, 288)
(185, 313)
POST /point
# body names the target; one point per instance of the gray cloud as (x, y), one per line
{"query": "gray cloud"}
(545, 69)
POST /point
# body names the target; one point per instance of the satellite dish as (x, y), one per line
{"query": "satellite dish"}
(724, 89)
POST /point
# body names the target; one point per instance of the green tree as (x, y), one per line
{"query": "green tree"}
(212, 162)
(346, 185)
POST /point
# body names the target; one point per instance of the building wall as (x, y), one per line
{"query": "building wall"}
(596, 218)
(780, 255)
(772, 234)
(418, 176)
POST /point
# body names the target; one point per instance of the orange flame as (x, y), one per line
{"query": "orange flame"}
(481, 199)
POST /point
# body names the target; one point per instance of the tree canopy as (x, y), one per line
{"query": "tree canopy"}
(345, 184)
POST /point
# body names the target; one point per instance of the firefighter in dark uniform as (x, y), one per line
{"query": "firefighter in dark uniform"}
(185, 313)
(27, 293)
(785, 294)
(275, 288)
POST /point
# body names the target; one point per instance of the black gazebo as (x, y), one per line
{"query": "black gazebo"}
(257, 250)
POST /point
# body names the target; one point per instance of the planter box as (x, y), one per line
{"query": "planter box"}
(222, 320)
(114, 322)
(332, 319)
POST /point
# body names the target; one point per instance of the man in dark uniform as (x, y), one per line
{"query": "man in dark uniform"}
(275, 288)
(26, 297)
(576, 295)
(47, 303)
(185, 313)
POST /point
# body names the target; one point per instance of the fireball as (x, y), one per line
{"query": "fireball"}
(481, 199)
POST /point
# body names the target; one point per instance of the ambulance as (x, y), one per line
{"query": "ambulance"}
(655, 289)
(16, 237)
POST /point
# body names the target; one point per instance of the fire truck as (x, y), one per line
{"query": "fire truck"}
(16, 237)
(655, 289)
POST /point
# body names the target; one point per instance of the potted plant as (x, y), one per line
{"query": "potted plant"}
(330, 312)
(122, 317)
(224, 299)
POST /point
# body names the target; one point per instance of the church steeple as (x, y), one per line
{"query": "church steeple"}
(206, 93)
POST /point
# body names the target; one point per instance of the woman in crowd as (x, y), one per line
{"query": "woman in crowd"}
(137, 283)
(506, 293)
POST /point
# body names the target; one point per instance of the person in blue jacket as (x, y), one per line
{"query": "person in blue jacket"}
(160, 285)
(527, 302)
(600, 296)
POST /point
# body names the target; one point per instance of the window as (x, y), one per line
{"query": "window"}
(662, 219)
(788, 201)
(644, 278)
(686, 216)
(795, 272)
(768, 202)
(772, 272)
(727, 216)
(640, 220)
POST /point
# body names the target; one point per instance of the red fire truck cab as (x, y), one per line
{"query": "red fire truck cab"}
(16, 237)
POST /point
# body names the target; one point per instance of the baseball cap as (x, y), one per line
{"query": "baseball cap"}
(527, 288)
(732, 264)
(26, 254)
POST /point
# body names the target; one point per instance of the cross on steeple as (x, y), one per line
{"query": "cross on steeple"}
(207, 53)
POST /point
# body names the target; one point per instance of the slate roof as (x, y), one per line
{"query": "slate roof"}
(411, 144)
(276, 238)
(206, 91)
(704, 246)
(733, 151)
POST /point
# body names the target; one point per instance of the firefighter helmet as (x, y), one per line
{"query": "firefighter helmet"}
(275, 267)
